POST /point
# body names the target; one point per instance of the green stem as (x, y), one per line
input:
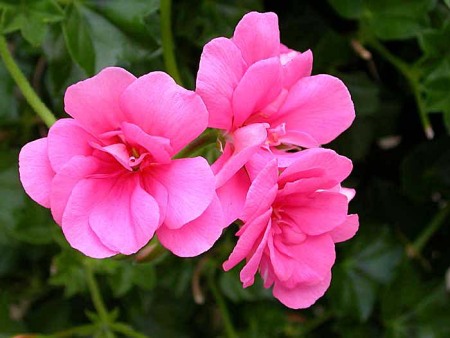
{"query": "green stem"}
(28, 92)
(430, 229)
(229, 328)
(127, 330)
(167, 41)
(413, 79)
(97, 300)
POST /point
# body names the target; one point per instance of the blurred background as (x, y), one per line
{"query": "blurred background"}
(391, 280)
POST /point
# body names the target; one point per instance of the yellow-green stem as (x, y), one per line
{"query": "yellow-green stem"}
(430, 229)
(227, 323)
(97, 299)
(413, 80)
(28, 92)
(167, 41)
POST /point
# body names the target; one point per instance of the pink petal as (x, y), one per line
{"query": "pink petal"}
(346, 230)
(298, 138)
(126, 218)
(319, 105)
(75, 222)
(78, 168)
(248, 239)
(190, 186)
(296, 66)
(246, 141)
(332, 167)
(232, 196)
(262, 192)
(260, 85)
(258, 162)
(221, 68)
(307, 262)
(316, 213)
(257, 36)
(303, 295)
(36, 173)
(197, 236)
(158, 147)
(94, 102)
(120, 152)
(248, 272)
(66, 139)
(160, 107)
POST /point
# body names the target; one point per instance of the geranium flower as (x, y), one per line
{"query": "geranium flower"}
(107, 173)
(291, 222)
(262, 95)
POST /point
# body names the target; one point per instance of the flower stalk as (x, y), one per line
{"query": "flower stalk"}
(167, 41)
(413, 81)
(28, 92)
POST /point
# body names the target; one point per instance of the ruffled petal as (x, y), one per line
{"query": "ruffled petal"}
(258, 37)
(126, 218)
(66, 139)
(326, 165)
(220, 70)
(246, 141)
(35, 170)
(190, 186)
(308, 262)
(303, 295)
(248, 239)
(260, 85)
(248, 272)
(197, 236)
(232, 196)
(159, 147)
(316, 213)
(295, 66)
(94, 102)
(319, 105)
(160, 107)
(78, 168)
(346, 230)
(75, 221)
(262, 192)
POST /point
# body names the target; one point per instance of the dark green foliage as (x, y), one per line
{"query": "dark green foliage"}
(388, 281)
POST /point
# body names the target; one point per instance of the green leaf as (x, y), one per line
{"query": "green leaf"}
(434, 42)
(78, 37)
(371, 261)
(349, 9)
(231, 287)
(130, 17)
(412, 307)
(31, 18)
(68, 271)
(34, 224)
(397, 19)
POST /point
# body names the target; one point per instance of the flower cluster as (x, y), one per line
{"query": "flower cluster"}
(109, 176)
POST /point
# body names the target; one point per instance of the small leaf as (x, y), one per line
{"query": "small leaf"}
(77, 34)
(349, 9)
(31, 18)
(68, 271)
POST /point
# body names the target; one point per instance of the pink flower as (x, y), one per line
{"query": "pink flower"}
(262, 94)
(107, 173)
(291, 222)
